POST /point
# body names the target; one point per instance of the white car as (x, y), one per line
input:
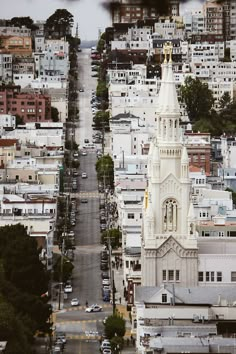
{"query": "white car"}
(74, 302)
(106, 351)
(84, 153)
(68, 289)
(93, 308)
(84, 175)
(106, 282)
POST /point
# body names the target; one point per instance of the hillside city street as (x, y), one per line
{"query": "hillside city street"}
(84, 329)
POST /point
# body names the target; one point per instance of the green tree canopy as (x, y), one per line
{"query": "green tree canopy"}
(197, 97)
(23, 21)
(102, 90)
(115, 326)
(54, 114)
(20, 259)
(101, 120)
(59, 24)
(66, 270)
(105, 170)
(23, 281)
(114, 235)
(225, 100)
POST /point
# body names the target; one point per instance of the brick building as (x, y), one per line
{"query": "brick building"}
(30, 107)
(199, 150)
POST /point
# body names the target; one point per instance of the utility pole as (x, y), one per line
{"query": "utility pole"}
(61, 275)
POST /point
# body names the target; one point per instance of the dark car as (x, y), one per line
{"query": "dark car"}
(105, 275)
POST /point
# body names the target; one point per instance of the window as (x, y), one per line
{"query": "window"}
(30, 177)
(219, 276)
(127, 264)
(233, 276)
(200, 276)
(177, 275)
(171, 275)
(212, 276)
(164, 297)
(207, 276)
(164, 275)
(130, 216)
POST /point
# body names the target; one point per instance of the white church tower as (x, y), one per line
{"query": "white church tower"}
(169, 245)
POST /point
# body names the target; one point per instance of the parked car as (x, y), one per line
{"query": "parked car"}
(84, 175)
(93, 308)
(84, 200)
(84, 153)
(68, 289)
(86, 141)
(106, 351)
(62, 336)
(75, 302)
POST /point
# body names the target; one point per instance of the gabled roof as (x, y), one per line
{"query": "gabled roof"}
(196, 295)
(8, 142)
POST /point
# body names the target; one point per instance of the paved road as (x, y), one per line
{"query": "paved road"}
(86, 274)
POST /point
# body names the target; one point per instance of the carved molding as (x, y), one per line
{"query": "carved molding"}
(172, 244)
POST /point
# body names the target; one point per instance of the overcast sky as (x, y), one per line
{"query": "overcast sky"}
(88, 13)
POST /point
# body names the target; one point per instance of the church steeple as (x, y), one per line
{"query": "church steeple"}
(168, 224)
(169, 110)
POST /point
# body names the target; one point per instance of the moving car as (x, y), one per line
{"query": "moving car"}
(84, 175)
(84, 153)
(84, 200)
(74, 302)
(93, 308)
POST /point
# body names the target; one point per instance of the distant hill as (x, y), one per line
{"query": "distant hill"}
(88, 44)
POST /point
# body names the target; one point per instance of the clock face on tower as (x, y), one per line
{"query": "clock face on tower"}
(170, 217)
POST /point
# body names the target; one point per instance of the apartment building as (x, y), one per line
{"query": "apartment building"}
(5, 68)
(30, 107)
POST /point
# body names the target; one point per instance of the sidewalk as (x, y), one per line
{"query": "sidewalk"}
(121, 304)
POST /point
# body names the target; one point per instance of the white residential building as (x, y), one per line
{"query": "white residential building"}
(7, 121)
(128, 135)
(5, 67)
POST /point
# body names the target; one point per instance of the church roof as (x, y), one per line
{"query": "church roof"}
(195, 295)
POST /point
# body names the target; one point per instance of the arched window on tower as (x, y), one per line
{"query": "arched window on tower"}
(170, 212)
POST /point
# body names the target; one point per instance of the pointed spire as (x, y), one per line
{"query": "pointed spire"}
(169, 103)
(164, 67)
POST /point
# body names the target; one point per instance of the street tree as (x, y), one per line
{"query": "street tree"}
(102, 90)
(114, 235)
(105, 171)
(101, 120)
(54, 114)
(197, 97)
(62, 273)
(115, 326)
(59, 24)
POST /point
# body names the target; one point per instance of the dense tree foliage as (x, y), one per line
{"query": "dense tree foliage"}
(23, 281)
(23, 21)
(59, 24)
(197, 97)
(102, 91)
(105, 170)
(114, 235)
(115, 326)
(67, 268)
(54, 114)
(101, 120)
